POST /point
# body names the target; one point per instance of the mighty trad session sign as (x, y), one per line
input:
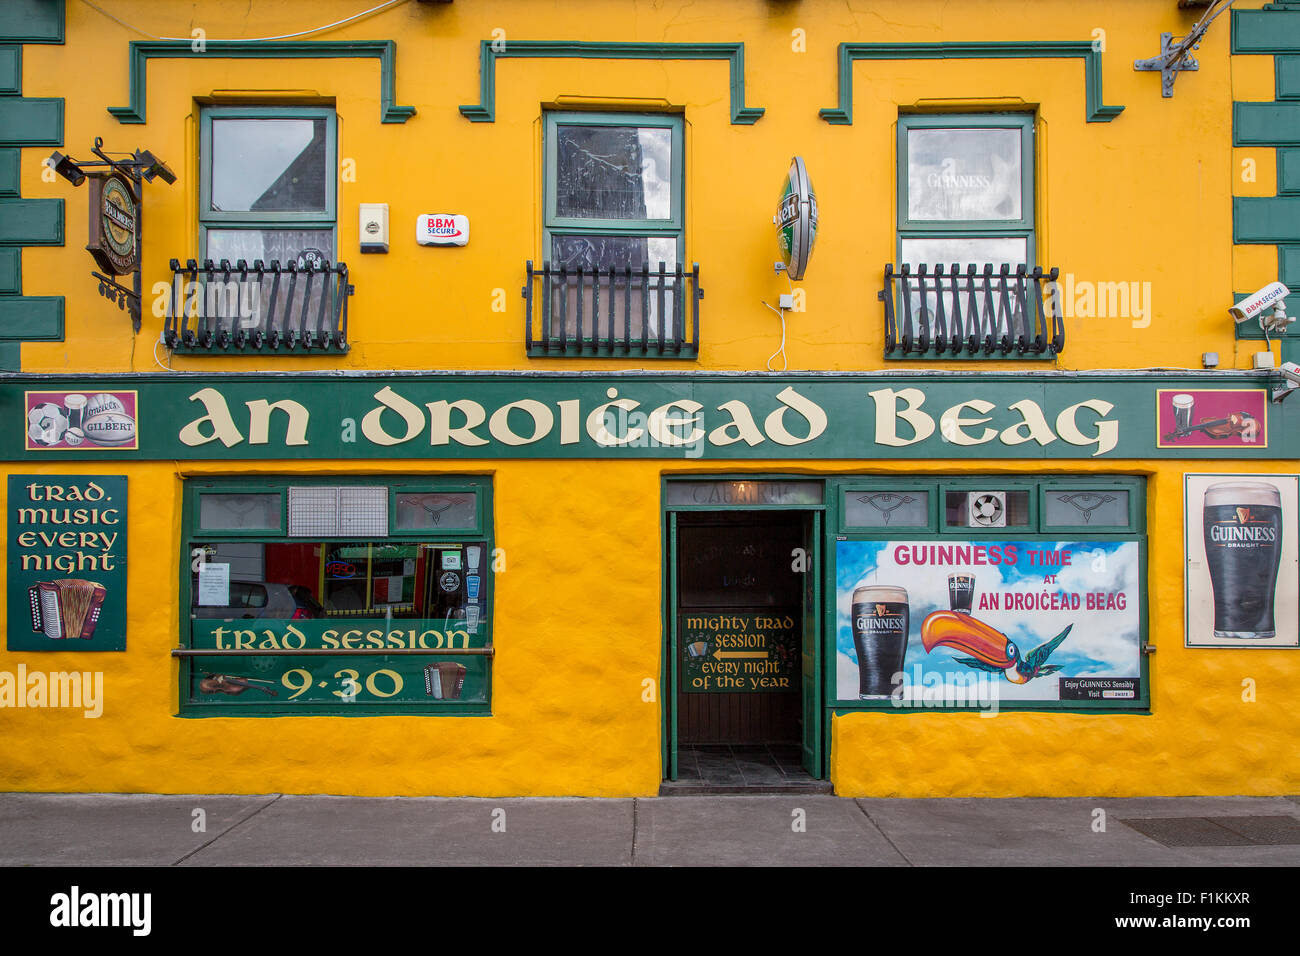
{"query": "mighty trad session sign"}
(734, 652)
(67, 563)
(713, 416)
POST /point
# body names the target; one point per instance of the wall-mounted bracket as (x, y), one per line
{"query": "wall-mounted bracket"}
(1175, 55)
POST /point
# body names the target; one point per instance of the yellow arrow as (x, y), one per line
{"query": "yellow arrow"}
(720, 655)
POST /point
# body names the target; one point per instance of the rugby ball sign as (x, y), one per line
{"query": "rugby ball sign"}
(110, 428)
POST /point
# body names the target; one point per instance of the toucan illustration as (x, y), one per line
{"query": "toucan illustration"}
(993, 651)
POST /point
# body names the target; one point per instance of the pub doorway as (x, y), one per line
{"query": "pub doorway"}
(745, 699)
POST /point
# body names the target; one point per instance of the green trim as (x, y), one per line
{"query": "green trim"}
(11, 69)
(11, 271)
(31, 121)
(32, 21)
(1265, 124)
(1097, 112)
(144, 50)
(1265, 31)
(485, 110)
(31, 318)
(10, 173)
(1286, 77)
(1288, 171)
(31, 222)
(1288, 265)
(1267, 219)
(10, 356)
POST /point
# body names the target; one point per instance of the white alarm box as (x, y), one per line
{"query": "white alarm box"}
(374, 227)
(441, 229)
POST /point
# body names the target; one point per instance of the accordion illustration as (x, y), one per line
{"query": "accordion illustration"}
(444, 681)
(68, 607)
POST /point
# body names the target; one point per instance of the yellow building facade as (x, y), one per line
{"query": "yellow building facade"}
(657, 506)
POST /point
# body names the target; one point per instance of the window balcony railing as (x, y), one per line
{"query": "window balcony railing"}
(938, 313)
(218, 308)
(612, 313)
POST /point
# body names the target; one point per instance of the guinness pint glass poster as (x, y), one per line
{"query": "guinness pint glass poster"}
(966, 623)
(1242, 572)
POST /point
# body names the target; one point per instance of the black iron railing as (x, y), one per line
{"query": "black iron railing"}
(971, 312)
(217, 307)
(610, 313)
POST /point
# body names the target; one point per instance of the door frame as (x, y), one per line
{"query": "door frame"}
(668, 571)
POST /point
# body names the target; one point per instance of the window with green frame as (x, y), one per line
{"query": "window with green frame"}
(343, 596)
(966, 189)
(268, 184)
(613, 190)
(989, 593)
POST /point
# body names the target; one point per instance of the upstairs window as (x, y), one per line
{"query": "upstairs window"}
(266, 278)
(613, 279)
(268, 185)
(967, 283)
(613, 190)
(966, 189)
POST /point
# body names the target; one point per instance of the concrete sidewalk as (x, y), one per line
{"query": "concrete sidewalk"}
(802, 830)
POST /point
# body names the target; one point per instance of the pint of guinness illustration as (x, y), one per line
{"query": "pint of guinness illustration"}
(880, 626)
(1243, 548)
(961, 589)
(1183, 405)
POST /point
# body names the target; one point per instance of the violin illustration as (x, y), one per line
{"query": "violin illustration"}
(226, 684)
(1238, 423)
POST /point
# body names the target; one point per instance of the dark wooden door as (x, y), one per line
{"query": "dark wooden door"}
(740, 603)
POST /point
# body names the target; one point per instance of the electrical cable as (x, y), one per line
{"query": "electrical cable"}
(785, 363)
(283, 36)
(165, 368)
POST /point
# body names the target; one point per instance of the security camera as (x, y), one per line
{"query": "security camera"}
(1253, 306)
(152, 166)
(66, 167)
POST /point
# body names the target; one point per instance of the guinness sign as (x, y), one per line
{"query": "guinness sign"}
(114, 221)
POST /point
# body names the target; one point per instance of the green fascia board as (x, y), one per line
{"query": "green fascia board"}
(485, 110)
(1097, 111)
(31, 121)
(31, 318)
(31, 222)
(142, 51)
(1265, 124)
(11, 271)
(1266, 31)
(1265, 219)
(32, 21)
(10, 357)
(11, 69)
(10, 162)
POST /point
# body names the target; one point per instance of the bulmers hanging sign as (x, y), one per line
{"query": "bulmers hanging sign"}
(711, 416)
